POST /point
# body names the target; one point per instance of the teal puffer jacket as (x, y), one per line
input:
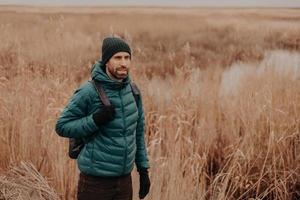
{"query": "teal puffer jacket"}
(112, 149)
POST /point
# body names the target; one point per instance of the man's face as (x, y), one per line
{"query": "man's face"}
(118, 65)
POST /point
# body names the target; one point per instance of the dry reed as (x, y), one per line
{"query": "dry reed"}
(222, 110)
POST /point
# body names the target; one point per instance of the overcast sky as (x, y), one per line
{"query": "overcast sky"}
(235, 3)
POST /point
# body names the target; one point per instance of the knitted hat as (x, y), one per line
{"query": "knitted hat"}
(111, 46)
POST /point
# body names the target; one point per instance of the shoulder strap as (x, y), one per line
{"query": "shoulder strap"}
(104, 98)
(136, 92)
(101, 93)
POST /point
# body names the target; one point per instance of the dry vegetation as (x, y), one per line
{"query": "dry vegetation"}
(223, 108)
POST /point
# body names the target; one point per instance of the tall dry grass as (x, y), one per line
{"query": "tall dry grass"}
(222, 108)
(25, 182)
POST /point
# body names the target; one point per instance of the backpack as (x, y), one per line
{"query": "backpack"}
(77, 144)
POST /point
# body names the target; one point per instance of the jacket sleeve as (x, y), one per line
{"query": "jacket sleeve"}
(74, 121)
(141, 158)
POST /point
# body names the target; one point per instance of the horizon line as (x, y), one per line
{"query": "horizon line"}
(141, 6)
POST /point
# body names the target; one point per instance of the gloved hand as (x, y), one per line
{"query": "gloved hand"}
(144, 182)
(106, 114)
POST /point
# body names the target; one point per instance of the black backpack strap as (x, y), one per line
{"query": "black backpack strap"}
(136, 92)
(104, 98)
(101, 93)
(75, 144)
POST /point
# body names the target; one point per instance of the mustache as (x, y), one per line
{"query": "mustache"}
(122, 68)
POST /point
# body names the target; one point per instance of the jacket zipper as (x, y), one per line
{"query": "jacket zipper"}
(124, 133)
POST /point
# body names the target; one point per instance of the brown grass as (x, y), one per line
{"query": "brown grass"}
(222, 117)
(25, 182)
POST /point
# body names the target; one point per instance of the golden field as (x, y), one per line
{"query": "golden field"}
(220, 89)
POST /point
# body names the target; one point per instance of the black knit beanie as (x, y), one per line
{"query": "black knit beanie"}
(111, 46)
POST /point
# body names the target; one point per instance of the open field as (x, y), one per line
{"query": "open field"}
(220, 90)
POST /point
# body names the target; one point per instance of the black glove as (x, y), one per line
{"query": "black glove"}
(144, 182)
(106, 114)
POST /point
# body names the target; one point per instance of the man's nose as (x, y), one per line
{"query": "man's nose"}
(124, 62)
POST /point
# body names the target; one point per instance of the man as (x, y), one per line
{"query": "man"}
(113, 135)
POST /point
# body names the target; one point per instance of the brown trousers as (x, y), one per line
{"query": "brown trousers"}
(102, 188)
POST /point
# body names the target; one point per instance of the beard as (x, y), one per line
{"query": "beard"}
(119, 73)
